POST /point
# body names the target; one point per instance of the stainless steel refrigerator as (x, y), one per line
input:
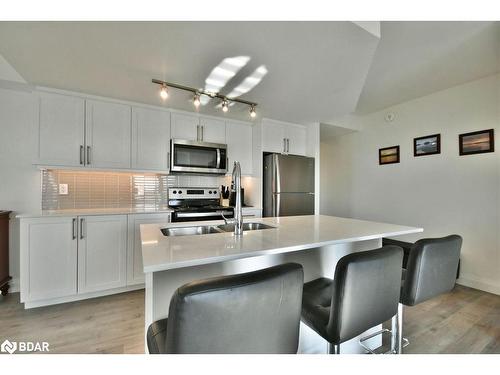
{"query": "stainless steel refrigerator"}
(288, 185)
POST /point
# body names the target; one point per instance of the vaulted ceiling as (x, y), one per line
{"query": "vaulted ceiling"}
(314, 71)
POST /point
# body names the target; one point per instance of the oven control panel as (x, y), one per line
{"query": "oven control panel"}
(193, 193)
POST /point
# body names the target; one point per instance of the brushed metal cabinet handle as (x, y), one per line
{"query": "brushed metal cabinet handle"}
(202, 132)
(284, 145)
(287, 145)
(81, 228)
(88, 155)
(197, 132)
(74, 229)
(81, 154)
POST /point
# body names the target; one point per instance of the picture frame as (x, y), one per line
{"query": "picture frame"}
(427, 145)
(388, 155)
(478, 142)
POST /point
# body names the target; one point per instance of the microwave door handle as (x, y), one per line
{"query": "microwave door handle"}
(218, 158)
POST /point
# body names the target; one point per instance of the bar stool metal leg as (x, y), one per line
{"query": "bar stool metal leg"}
(399, 345)
(333, 349)
(394, 334)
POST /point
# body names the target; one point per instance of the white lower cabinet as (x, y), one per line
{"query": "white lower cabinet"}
(249, 212)
(135, 274)
(70, 258)
(102, 252)
(48, 258)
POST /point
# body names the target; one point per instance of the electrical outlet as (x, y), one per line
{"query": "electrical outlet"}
(63, 189)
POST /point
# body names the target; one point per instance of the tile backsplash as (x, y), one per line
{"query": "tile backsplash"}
(96, 189)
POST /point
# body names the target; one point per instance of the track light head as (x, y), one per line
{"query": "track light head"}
(252, 112)
(164, 92)
(196, 100)
(225, 106)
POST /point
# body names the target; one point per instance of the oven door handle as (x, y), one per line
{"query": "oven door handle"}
(202, 214)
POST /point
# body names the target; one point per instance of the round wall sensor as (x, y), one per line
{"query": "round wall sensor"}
(389, 117)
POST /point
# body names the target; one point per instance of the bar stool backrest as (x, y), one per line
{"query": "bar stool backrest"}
(432, 268)
(365, 291)
(254, 312)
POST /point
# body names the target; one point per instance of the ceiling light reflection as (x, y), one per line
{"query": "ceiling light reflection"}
(249, 82)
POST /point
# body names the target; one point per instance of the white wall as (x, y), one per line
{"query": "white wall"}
(444, 193)
(19, 179)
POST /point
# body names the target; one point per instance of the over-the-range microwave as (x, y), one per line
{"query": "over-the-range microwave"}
(197, 157)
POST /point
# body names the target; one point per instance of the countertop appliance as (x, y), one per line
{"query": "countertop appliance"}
(4, 252)
(197, 157)
(197, 204)
(288, 185)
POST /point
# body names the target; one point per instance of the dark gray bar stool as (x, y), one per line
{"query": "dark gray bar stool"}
(364, 293)
(255, 312)
(431, 271)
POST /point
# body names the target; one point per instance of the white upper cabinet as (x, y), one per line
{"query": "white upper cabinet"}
(273, 137)
(212, 130)
(61, 129)
(239, 146)
(285, 138)
(150, 139)
(108, 134)
(185, 126)
(195, 128)
(296, 136)
(102, 252)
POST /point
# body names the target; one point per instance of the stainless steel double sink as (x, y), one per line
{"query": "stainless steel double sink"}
(210, 229)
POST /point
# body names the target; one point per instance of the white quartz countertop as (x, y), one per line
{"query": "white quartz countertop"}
(94, 211)
(292, 233)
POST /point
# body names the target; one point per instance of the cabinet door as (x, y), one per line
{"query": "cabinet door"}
(297, 139)
(273, 137)
(135, 274)
(150, 139)
(102, 252)
(61, 129)
(108, 127)
(251, 212)
(185, 126)
(212, 130)
(239, 146)
(48, 258)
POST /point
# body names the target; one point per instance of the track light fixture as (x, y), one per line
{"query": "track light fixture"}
(197, 94)
(225, 107)
(164, 91)
(252, 112)
(196, 100)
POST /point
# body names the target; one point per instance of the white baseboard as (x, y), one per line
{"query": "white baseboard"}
(486, 285)
(79, 297)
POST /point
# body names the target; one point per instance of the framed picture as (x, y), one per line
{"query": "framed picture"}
(388, 155)
(476, 142)
(428, 145)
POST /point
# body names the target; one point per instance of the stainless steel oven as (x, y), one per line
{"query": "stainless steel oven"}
(197, 204)
(197, 157)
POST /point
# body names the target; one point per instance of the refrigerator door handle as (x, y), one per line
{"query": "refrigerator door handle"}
(277, 177)
(276, 205)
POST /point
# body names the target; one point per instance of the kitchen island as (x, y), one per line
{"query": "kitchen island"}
(317, 242)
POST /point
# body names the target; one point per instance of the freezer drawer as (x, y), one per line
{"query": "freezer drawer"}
(292, 204)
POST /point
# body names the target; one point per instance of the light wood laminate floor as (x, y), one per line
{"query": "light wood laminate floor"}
(463, 321)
